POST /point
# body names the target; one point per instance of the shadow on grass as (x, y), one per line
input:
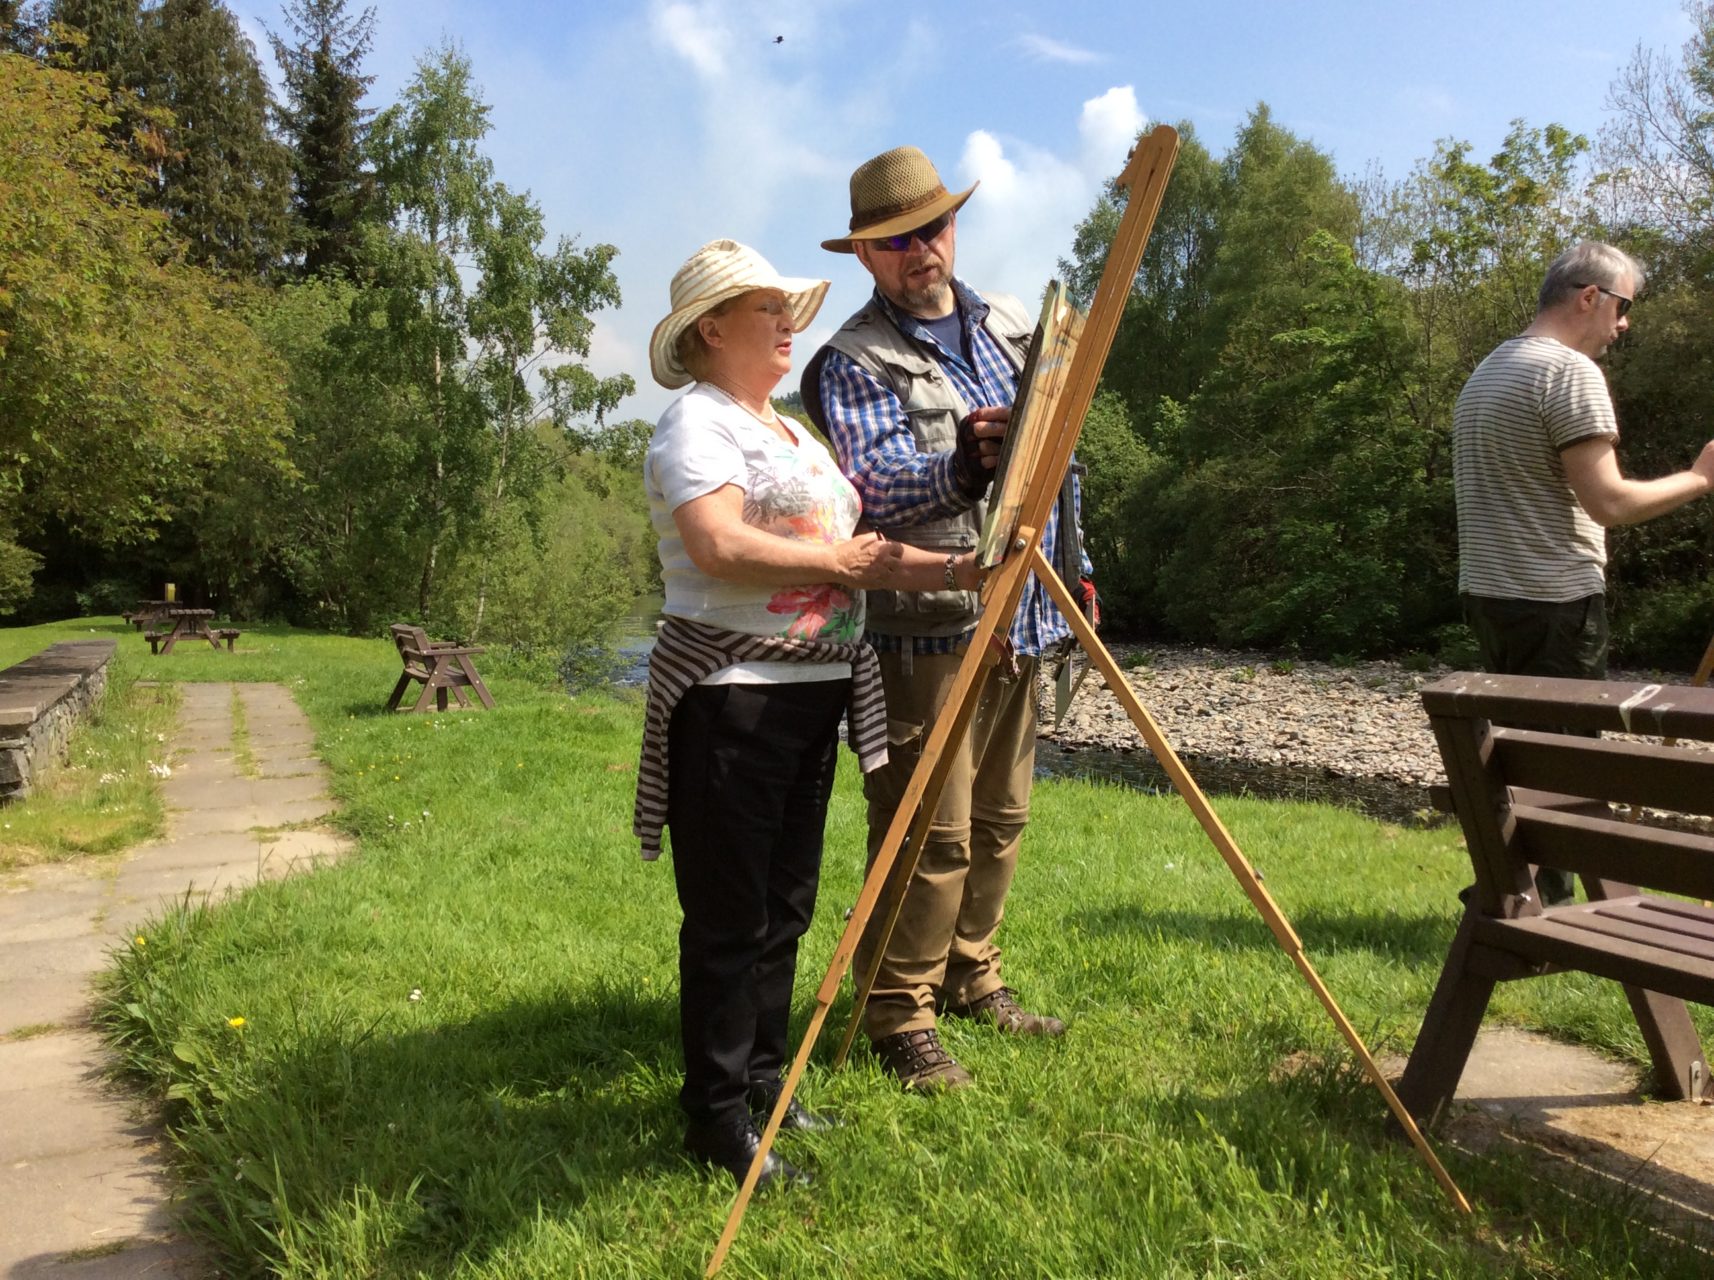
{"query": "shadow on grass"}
(1400, 937)
(458, 1135)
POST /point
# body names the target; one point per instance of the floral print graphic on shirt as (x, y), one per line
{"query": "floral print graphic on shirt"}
(790, 488)
(795, 495)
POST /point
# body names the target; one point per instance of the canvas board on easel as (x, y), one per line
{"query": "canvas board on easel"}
(1040, 383)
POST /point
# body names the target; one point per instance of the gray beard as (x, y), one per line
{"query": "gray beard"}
(931, 300)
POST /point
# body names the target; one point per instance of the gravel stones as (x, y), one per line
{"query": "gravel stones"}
(1259, 723)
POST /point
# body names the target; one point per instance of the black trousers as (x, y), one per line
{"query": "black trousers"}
(1535, 638)
(750, 768)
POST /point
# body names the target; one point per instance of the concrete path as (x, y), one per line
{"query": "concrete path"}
(1582, 1121)
(83, 1191)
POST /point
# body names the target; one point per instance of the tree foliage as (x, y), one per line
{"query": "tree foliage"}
(323, 122)
(124, 373)
(1277, 410)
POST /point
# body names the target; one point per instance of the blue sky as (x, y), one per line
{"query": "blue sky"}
(658, 126)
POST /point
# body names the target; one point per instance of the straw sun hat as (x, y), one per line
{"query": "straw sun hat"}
(720, 270)
(896, 192)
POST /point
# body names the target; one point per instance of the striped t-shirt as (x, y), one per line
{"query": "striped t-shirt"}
(1522, 534)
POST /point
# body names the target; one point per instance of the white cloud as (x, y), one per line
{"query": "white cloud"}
(1047, 49)
(696, 35)
(1021, 221)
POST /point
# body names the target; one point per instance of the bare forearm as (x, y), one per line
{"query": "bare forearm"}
(921, 570)
(1639, 500)
(741, 553)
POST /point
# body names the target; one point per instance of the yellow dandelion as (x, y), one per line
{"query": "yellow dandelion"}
(141, 940)
(235, 1023)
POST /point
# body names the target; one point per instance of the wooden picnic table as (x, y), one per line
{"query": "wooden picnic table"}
(148, 612)
(189, 624)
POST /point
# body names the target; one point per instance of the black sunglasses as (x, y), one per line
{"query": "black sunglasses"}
(1621, 299)
(926, 233)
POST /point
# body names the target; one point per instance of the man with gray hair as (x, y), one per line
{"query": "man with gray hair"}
(1537, 481)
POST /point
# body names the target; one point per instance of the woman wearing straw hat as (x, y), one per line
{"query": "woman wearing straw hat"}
(759, 656)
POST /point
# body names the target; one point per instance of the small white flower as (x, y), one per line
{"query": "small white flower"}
(160, 770)
(416, 995)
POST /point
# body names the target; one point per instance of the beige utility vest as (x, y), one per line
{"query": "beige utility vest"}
(933, 408)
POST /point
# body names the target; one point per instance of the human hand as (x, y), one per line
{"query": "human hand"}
(1704, 464)
(980, 433)
(867, 561)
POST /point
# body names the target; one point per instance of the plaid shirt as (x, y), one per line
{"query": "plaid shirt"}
(901, 486)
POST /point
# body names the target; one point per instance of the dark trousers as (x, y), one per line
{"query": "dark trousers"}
(750, 770)
(1539, 638)
(1536, 638)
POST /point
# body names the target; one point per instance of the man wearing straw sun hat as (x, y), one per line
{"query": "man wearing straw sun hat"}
(758, 659)
(915, 391)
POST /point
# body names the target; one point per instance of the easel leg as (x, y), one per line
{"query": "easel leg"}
(1006, 586)
(903, 873)
(1228, 849)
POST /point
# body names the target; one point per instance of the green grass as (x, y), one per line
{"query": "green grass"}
(102, 798)
(243, 758)
(517, 1118)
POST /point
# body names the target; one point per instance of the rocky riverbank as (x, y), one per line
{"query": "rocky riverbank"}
(1254, 722)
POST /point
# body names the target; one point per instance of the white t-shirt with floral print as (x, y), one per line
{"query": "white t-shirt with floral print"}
(705, 441)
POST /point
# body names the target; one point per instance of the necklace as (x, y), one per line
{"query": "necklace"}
(771, 421)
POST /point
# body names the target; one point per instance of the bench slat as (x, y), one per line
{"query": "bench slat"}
(1637, 773)
(1673, 711)
(1635, 921)
(1637, 964)
(1630, 852)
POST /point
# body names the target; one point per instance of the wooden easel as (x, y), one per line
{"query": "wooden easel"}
(1144, 180)
(1704, 670)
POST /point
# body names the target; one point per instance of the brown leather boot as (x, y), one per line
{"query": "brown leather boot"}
(1000, 1008)
(920, 1061)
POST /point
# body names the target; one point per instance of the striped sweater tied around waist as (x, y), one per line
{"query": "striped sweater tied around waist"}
(688, 652)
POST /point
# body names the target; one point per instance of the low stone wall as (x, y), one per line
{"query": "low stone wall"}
(41, 699)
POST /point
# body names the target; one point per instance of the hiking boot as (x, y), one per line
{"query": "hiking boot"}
(764, 1094)
(731, 1144)
(1000, 1008)
(919, 1061)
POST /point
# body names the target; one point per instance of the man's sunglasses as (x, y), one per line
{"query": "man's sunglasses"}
(926, 233)
(1621, 299)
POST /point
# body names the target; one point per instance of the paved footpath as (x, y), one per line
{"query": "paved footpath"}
(83, 1191)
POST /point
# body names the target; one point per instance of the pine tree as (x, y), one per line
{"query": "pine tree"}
(223, 178)
(113, 38)
(324, 122)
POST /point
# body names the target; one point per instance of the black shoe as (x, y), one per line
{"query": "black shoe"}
(765, 1095)
(731, 1145)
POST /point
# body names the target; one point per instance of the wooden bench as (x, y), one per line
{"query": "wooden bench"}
(440, 665)
(228, 634)
(1543, 795)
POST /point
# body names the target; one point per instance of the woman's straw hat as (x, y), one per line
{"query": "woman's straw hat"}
(720, 270)
(894, 193)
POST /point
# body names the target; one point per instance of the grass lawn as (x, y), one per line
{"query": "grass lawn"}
(455, 1054)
